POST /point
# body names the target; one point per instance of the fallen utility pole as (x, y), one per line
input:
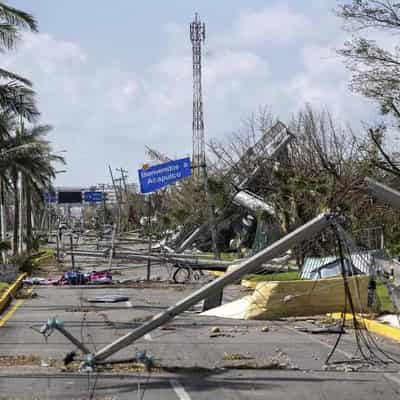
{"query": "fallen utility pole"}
(306, 231)
(178, 259)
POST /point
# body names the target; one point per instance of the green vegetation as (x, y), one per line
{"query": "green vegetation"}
(25, 262)
(282, 276)
(223, 256)
(5, 245)
(3, 287)
(384, 302)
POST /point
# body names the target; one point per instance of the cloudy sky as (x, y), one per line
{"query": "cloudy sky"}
(112, 77)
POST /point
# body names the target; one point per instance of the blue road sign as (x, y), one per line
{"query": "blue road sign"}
(158, 176)
(50, 197)
(93, 197)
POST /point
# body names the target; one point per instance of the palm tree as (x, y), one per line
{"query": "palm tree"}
(26, 151)
(16, 94)
(37, 170)
(7, 155)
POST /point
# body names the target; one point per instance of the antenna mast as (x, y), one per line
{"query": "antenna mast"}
(197, 37)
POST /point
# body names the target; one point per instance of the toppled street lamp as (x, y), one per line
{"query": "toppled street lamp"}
(307, 231)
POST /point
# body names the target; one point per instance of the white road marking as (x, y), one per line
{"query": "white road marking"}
(179, 390)
(148, 337)
(129, 304)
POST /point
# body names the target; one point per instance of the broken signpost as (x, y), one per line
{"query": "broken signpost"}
(158, 176)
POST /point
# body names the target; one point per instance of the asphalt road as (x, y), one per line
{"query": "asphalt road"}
(234, 364)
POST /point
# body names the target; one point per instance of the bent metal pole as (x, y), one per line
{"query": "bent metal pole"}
(304, 232)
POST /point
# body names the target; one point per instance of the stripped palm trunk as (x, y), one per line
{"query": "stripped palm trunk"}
(28, 200)
(16, 212)
(3, 218)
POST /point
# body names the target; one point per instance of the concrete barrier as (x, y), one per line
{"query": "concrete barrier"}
(7, 296)
(372, 326)
(272, 300)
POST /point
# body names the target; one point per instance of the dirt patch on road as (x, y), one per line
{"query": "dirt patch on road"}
(12, 361)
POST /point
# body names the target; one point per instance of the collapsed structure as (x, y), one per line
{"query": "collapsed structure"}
(267, 151)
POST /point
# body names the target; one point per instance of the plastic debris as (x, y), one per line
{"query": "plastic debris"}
(75, 278)
(34, 280)
(100, 277)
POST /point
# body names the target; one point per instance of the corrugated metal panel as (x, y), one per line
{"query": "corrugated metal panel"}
(363, 261)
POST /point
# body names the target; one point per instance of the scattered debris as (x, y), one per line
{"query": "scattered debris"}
(69, 358)
(80, 309)
(73, 278)
(20, 360)
(236, 356)
(168, 328)
(265, 329)
(273, 364)
(141, 319)
(214, 335)
(34, 280)
(288, 298)
(390, 319)
(25, 294)
(98, 278)
(111, 298)
(328, 329)
(346, 367)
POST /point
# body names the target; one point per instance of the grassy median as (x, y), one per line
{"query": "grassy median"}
(3, 287)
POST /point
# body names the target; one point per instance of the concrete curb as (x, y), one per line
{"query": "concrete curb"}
(7, 296)
(373, 326)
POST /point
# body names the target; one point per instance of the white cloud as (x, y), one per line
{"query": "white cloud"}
(273, 25)
(107, 111)
(324, 82)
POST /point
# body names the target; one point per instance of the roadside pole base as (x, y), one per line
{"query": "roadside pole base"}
(213, 301)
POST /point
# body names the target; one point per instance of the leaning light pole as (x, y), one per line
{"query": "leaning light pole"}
(306, 231)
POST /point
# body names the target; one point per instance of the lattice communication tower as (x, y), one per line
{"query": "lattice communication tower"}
(197, 37)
